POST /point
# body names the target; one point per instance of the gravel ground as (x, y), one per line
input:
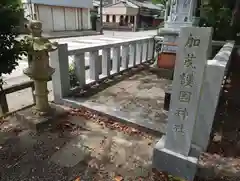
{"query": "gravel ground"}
(91, 149)
(81, 146)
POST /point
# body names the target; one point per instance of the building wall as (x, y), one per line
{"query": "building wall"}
(86, 21)
(70, 18)
(120, 9)
(57, 18)
(114, 10)
(132, 11)
(44, 14)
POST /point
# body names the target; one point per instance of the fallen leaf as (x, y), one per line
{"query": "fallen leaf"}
(77, 179)
(118, 178)
(217, 137)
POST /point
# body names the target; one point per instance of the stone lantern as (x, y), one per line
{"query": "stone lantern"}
(179, 13)
(39, 71)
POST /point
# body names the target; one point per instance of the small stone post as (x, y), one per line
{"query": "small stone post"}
(39, 70)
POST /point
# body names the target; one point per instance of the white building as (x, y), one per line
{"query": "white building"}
(60, 15)
(132, 14)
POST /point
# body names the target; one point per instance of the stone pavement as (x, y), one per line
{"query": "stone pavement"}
(74, 147)
(106, 38)
(135, 97)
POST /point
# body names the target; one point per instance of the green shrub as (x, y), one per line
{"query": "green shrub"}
(11, 14)
(73, 78)
(223, 16)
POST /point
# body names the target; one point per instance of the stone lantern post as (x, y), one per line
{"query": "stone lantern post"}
(179, 13)
(39, 70)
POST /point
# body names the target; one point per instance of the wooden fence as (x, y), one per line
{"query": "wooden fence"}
(14, 88)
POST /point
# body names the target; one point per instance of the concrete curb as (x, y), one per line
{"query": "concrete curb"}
(66, 36)
(71, 36)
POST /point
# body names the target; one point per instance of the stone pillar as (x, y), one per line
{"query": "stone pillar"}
(117, 18)
(135, 24)
(89, 18)
(41, 93)
(173, 153)
(110, 18)
(104, 18)
(126, 18)
(166, 11)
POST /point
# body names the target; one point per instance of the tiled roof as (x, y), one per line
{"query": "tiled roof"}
(96, 3)
(126, 3)
(137, 4)
(146, 4)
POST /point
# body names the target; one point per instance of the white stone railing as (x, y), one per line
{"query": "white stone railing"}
(215, 75)
(103, 61)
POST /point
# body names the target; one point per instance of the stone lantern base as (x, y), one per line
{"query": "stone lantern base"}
(31, 117)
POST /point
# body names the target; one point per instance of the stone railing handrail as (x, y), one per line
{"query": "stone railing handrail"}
(222, 57)
(220, 43)
(105, 61)
(215, 74)
(89, 48)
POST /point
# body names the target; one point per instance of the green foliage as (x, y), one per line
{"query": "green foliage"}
(218, 14)
(10, 49)
(159, 2)
(73, 78)
(172, 178)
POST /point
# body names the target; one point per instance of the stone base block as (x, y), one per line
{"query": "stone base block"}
(167, 99)
(30, 118)
(174, 163)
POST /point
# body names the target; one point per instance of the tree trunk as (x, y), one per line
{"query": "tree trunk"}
(234, 19)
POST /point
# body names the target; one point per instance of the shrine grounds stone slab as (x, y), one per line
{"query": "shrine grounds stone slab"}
(136, 100)
(71, 154)
(34, 121)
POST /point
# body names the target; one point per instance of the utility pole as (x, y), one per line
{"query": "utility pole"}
(30, 4)
(101, 16)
